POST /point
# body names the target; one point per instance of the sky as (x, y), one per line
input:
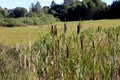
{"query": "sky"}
(10, 4)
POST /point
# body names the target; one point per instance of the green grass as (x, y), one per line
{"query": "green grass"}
(92, 54)
(15, 35)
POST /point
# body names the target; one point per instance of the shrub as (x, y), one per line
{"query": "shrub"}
(12, 22)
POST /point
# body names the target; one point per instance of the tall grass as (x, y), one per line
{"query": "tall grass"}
(93, 54)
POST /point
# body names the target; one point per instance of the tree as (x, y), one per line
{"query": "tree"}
(35, 7)
(1, 12)
(69, 1)
(19, 12)
(114, 10)
(46, 9)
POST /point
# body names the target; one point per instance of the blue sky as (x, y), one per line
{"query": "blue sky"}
(26, 3)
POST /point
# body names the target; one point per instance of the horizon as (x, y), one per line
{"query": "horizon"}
(10, 4)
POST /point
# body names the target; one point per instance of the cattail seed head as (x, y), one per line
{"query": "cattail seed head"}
(55, 30)
(81, 41)
(98, 28)
(65, 28)
(68, 52)
(93, 44)
(58, 44)
(78, 29)
(52, 29)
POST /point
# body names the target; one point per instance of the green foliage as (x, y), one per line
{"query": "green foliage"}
(76, 10)
(12, 22)
(61, 57)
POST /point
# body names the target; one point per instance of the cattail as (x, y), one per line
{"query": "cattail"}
(81, 41)
(109, 36)
(68, 52)
(25, 59)
(65, 28)
(117, 36)
(20, 60)
(115, 59)
(29, 64)
(93, 44)
(98, 28)
(58, 43)
(119, 71)
(52, 29)
(78, 29)
(55, 30)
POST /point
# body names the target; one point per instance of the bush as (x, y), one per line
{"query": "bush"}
(12, 22)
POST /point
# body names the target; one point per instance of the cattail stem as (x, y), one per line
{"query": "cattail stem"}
(109, 36)
(20, 60)
(115, 59)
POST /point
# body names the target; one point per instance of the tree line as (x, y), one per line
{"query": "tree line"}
(69, 11)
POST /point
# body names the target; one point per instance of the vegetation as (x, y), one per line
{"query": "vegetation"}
(76, 54)
(13, 22)
(11, 36)
(70, 10)
(85, 50)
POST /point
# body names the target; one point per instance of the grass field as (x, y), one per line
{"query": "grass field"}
(15, 35)
(89, 50)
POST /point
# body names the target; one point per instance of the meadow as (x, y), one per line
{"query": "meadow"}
(85, 50)
(32, 33)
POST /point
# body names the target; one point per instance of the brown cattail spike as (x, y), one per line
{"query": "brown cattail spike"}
(78, 29)
(58, 43)
(81, 41)
(98, 28)
(51, 30)
(55, 30)
(93, 44)
(109, 36)
(68, 52)
(65, 28)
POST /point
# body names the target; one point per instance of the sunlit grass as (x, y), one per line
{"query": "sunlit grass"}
(32, 33)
